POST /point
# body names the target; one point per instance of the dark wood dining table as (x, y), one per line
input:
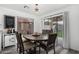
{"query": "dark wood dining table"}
(36, 39)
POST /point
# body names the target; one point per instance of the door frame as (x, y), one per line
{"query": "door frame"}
(66, 41)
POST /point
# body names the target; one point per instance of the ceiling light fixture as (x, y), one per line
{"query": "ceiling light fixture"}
(36, 7)
(26, 6)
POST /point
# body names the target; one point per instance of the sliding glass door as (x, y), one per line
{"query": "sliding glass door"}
(56, 24)
(59, 24)
(58, 27)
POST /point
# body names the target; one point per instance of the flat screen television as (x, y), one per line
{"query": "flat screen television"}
(9, 21)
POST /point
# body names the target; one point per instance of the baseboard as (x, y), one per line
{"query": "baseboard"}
(74, 50)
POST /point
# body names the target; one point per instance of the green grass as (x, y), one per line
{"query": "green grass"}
(60, 34)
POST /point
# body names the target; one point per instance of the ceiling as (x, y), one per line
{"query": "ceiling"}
(43, 8)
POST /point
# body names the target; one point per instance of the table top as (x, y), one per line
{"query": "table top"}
(33, 38)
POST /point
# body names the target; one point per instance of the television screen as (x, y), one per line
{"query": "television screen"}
(9, 22)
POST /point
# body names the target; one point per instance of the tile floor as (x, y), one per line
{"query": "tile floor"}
(59, 50)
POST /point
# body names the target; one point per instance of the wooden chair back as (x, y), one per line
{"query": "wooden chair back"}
(19, 42)
(51, 39)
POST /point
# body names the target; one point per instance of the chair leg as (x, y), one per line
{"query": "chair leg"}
(19, 51)
(30, 51)
(39, 49)
(35, 50)
(17, 48)
(23, 51)
(54, 49)
(46, 51)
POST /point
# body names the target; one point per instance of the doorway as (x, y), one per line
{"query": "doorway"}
(59, 24)
(58, 27)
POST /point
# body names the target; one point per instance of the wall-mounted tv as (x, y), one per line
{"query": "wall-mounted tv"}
(9, 21)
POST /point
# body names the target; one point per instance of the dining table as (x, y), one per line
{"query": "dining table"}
(36, 39)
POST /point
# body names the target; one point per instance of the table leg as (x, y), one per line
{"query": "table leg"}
(39, 47)
(35, 48)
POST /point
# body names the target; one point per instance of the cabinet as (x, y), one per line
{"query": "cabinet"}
(9, 40)
(25, 25)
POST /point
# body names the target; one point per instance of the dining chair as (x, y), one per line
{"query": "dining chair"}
(25, 39)
(23, 46)
(50, 43)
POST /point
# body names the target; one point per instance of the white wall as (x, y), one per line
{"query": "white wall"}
(4, 11)
(73, 13)
(37, 24)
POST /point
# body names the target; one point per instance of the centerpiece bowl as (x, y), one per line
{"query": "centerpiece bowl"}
(36, 34)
